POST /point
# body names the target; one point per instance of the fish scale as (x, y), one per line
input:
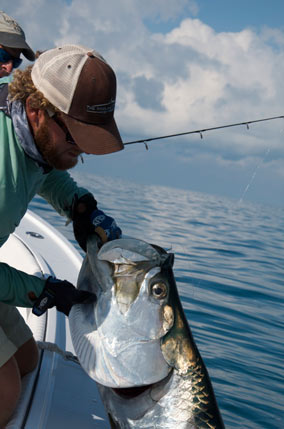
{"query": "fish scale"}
(134, 338)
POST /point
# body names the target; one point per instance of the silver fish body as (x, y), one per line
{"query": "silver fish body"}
(135, 341)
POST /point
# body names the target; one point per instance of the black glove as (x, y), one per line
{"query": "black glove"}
(62, 294)
(88, 219)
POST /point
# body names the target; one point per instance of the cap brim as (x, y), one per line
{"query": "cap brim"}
(29, 54)
(11, 40)
(95, 139)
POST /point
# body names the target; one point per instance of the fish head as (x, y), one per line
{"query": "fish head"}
(135, 342)
(118, 338)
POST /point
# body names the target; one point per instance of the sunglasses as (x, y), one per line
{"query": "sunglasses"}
(68, 138)
(5, 57)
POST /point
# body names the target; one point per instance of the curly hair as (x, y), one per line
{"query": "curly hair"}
(23, 87)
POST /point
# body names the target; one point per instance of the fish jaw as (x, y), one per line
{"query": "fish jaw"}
(117, 344)
(128, 344)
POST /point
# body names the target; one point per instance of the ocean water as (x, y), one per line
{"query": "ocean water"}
(229, 267)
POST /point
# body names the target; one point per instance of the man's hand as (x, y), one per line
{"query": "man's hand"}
(88, 219)
(61, 294)
(105, 226)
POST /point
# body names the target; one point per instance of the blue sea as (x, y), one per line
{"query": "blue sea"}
(229, 267)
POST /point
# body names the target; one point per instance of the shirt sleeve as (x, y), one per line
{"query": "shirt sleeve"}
(15, 286)
(59, 189)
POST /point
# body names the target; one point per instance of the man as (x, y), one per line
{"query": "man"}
(12, 45)
(59, 108)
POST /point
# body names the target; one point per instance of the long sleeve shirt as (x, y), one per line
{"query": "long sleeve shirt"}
(21, 178)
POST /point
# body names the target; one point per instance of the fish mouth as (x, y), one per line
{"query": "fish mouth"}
(133, 392)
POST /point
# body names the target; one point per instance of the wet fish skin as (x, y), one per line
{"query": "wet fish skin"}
(184, 397)
(180, 351)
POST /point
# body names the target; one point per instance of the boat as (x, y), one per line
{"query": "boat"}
(58, 393)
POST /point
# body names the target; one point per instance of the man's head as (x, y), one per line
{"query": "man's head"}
(71, 92)
(9, 60)
(12, 44)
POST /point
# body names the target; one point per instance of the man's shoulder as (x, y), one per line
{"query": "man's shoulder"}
(4, 82)
(5, 79)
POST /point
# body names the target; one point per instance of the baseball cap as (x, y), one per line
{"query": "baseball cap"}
(79, 82)
(13, 36)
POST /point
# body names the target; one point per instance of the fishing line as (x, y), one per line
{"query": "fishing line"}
(253, 176)
(246, 123)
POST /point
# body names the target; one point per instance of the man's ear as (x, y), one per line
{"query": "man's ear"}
(35, 116)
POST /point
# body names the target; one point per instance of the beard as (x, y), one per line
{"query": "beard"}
(47, 148)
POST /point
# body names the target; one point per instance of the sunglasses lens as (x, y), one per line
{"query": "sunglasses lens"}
(5, 57)
(69, 139)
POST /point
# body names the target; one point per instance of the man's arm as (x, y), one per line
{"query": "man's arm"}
(59, 190)
(78, 205)
(24, 290)
(16, 286)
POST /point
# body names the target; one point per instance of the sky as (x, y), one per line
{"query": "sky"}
(182, 65)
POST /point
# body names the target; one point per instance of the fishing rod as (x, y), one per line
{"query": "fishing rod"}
(247, 123)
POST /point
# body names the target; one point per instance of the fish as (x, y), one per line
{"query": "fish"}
(135, 340)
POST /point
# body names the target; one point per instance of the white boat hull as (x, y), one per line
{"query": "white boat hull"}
(58, 393)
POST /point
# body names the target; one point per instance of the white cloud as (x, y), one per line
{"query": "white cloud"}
(226, 64)
(210, 79)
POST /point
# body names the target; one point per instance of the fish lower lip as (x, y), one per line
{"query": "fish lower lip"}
(132, 392)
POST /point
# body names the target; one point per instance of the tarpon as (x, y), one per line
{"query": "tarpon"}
(135, 342)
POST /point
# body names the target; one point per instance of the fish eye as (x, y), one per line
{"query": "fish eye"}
(159, 290)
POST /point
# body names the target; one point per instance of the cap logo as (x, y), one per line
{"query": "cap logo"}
(101, 108)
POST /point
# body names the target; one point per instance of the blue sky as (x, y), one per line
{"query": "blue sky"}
(183, 65)
(234, 16)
